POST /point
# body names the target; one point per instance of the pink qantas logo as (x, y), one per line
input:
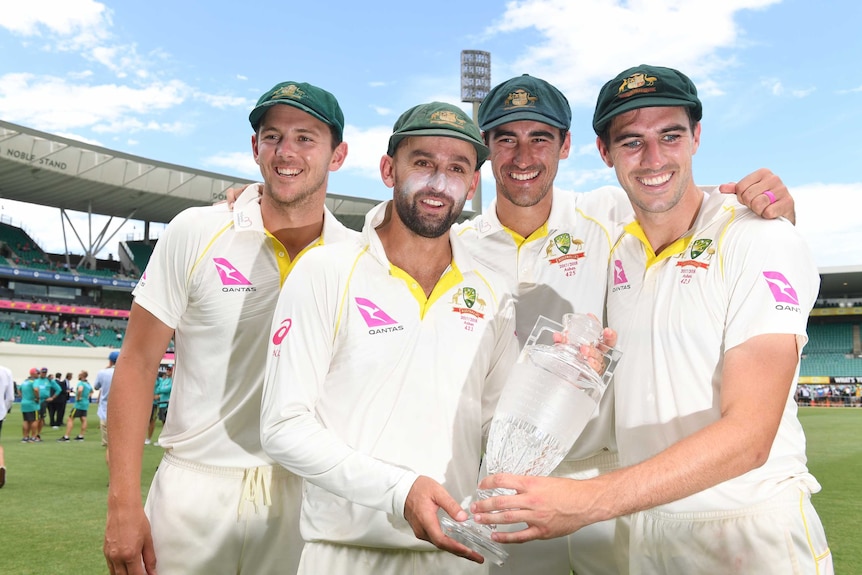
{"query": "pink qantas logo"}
(619, 273)
(781, 289)
(229, 275)
(372, 314)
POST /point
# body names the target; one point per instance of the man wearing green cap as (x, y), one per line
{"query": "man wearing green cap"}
(218, 503)
(710, 302)
(385, 363)
(552, 247)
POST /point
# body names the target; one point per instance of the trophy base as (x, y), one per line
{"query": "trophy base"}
(476, 537)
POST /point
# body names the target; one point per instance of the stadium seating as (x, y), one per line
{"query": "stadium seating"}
(829, 351)
(829, 338)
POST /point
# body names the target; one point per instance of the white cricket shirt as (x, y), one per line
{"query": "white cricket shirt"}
(214, 277)
(561, 268)
(369, 384)
(731, 277)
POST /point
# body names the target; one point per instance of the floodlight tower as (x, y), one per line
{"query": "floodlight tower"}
(475, 85)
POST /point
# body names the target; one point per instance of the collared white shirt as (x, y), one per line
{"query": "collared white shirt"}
(214, 277)
(370, 384)
(561, 268)
(731, 277)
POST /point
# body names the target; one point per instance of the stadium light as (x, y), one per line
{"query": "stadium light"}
(475, 85)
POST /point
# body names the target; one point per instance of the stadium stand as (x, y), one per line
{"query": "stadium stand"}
(140, 253)
(836, 338)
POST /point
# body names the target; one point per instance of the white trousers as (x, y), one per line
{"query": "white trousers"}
(220, 520)
(320, 558)
(781, 536)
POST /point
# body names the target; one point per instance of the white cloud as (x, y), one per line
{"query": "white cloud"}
(234, 163)
(76, 22)
(586, 150)
(223, 101)
(777, 88)
(381, 111)
(585, 43)
(365, 147)
(51, 103)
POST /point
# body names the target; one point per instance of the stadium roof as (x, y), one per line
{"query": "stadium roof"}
(50, 170)
(841, 282)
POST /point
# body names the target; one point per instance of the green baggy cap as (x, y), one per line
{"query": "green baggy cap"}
(645, 86)
(525, 98)
(308, 98)
(438, 119)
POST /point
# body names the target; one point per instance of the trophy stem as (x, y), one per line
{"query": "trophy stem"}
(476, 537)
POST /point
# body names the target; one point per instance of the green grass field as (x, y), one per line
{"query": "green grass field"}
(52, 509)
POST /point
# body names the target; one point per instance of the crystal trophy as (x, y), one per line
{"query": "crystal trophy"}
(549, 397)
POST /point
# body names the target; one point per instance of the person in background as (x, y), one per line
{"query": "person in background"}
(163, 394)
(48, 392)
(7, 398)
(57, 407)
(104, 378)
(154, 412)
(83, 390)
(29, 393)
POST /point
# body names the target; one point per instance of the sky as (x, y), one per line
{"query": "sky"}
(175, 81)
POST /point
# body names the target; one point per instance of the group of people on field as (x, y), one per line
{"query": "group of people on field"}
(335, 388)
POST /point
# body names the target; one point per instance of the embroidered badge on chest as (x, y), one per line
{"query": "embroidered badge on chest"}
(565, 252)
(469, 304)
(698, 256)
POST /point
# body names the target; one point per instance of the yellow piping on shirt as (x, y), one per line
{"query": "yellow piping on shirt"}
(720, 242)
(208, 246)
(342, 303)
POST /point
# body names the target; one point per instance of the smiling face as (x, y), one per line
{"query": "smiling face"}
(524, 157)
(432, 177)
(651, 150)
(295, 154)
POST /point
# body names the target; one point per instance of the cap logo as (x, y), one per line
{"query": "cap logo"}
(292, 91)
(637, 83)
(520, 98)
(449, 118)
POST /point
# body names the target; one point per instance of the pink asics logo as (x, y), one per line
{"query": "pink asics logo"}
(619, 273)
(781, 289)
(372, 314)
(229, 275)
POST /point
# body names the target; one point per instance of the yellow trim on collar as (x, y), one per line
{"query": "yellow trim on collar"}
(540, 233)
(285, 264)
(447, 281)
(634, 228)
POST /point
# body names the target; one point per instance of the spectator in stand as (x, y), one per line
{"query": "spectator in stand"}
(57, 407)
(7, 398)
(48, 392)
(82, 403)
(29, 394)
